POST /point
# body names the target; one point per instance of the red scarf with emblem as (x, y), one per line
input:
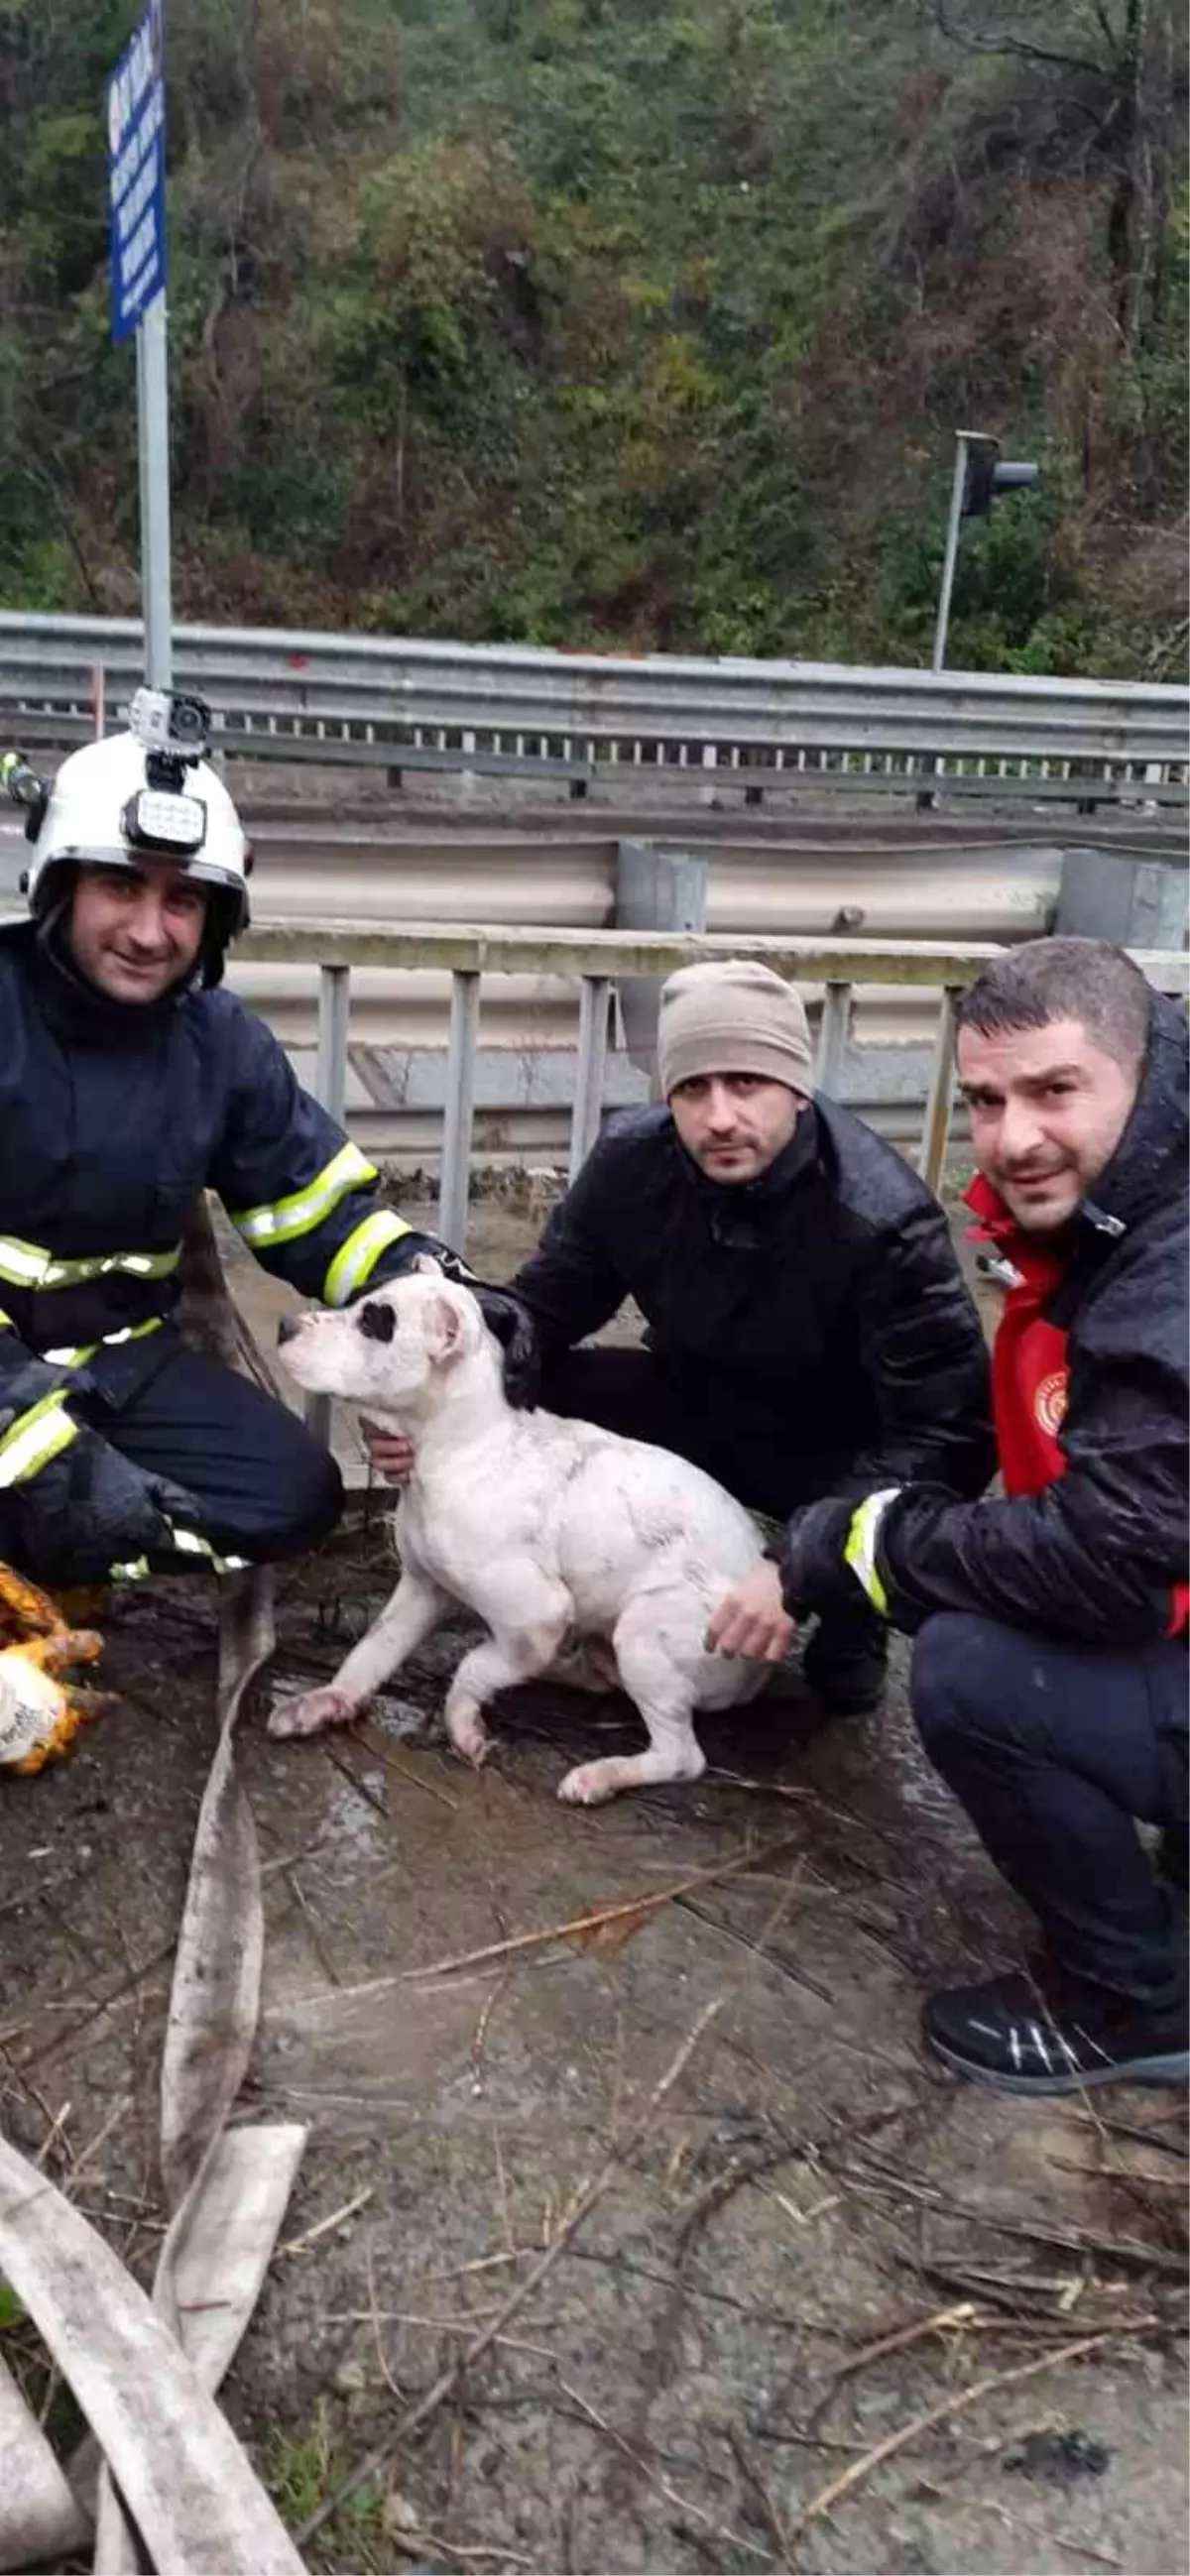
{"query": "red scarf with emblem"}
(1029, 1364)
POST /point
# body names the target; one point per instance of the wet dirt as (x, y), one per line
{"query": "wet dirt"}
(698, 2363)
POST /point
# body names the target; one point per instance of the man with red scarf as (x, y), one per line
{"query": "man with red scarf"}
(1049, 1676)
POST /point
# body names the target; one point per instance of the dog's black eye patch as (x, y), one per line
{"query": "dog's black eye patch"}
(377, 1323)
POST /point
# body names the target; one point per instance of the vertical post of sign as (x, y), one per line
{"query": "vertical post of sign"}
(152, 421)
(136, 169)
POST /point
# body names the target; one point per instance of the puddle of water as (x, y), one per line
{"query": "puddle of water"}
(352, 1828)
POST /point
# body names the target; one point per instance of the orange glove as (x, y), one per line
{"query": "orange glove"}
(40, 1714)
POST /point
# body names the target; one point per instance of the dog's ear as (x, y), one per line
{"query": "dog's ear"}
(426, 1264)
(377, 1323)
(444, 1332)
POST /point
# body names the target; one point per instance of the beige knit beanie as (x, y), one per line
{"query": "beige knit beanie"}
(731, 1017)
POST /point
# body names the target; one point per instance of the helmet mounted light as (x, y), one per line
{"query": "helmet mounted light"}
(161, 819)
(173, 730)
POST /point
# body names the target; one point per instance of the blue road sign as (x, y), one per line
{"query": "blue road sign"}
(136, 168)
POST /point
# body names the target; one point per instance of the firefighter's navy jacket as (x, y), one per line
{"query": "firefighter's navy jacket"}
(112, 1119)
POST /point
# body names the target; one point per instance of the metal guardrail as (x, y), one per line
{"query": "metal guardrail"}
(898, 881)
(596, 958)
(400, 703)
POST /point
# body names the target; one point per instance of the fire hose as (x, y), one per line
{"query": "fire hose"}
(162, 2460)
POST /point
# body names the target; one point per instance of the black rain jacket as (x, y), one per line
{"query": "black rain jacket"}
(822, 1303)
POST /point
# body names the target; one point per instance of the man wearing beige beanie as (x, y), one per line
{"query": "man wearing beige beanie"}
(808, 1329)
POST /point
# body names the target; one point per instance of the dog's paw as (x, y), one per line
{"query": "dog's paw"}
(310, 1712)
(589, 1786)
(470, 1739)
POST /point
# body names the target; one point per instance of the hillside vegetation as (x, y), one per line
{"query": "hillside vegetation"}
(626, 324)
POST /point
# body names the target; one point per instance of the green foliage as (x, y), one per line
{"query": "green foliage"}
(301, 2471)
(620, 323)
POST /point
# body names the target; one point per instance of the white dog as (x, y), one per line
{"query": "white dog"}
(566, 1540)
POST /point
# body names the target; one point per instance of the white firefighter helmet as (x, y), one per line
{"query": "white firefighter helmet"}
(117, 805)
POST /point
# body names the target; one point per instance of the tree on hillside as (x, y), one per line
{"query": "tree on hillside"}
(1118, 59)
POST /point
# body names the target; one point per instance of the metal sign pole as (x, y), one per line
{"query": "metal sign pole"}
(136, 188)
(152, 431)
(957, 491)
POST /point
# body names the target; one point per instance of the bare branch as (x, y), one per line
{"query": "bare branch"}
(1015, 45)
(1099, 13)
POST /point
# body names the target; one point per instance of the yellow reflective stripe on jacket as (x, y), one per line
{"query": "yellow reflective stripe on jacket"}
(137, 1569)
(190, 1543)
(356, 1259)
(6, 1323)
(29, 1265)
(303, 1210)
(860, 1550)
(76, 1354)
(34, 1438)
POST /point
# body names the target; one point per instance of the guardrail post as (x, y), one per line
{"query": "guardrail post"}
(595, 994)
(935, 1134)
(833, 1030)
(656, 889)
(459, 1111)
(330, 1087)
(1140, 903)
(330, 1077)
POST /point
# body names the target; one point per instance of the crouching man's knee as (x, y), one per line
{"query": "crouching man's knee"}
(303, 1502)
(316, 1505)
(960, 1680)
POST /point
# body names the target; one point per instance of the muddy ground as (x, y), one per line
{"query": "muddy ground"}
(705, 2355)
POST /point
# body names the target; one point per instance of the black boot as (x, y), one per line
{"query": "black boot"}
(846, 1663)
(1008, 2034)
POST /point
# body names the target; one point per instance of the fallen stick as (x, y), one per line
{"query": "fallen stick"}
(443, 2387)
(993, 2380)
(1126, 2250)
(661, 2486)
(1145, 2135)
(582, 1924)
(310, 2235)
(757, 2485)
(369, 1740)
(784, 2150)
(966, 2314)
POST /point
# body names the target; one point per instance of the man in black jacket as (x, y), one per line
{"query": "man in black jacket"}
(808, 1328)
(1050, 1670)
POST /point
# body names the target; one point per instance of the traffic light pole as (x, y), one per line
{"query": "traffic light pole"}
(958, 489)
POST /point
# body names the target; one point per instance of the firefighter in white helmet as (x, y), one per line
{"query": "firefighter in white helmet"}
(130, 1082)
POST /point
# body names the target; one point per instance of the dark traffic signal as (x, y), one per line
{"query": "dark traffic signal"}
(986, 477)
